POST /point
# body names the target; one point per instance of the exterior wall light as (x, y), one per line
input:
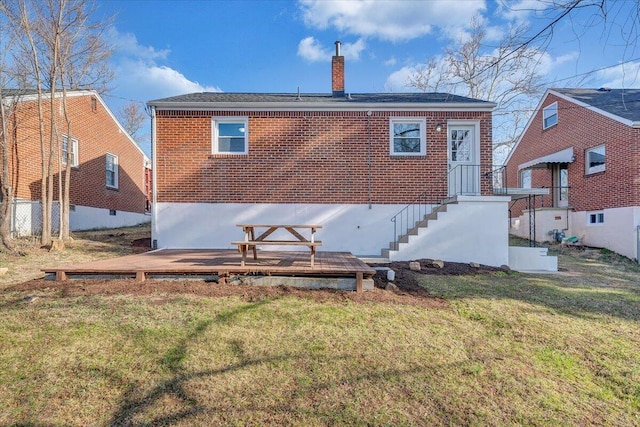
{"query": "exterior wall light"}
(439, 127)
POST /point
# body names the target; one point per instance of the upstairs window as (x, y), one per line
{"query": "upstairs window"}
(230, 135)
(69, 147)
(550, 115)
(595, 160)
(408, 137)
(525, 178)
(112, 170)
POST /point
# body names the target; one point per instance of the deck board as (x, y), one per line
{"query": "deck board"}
(220, 262)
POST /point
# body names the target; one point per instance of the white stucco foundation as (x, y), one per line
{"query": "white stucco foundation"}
(88, 218)
(618, 233)
(475, 229)
(547, 221)
(351, 228)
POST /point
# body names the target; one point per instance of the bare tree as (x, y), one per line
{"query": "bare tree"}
(132, 118)
(6, 112)
(60, 49)
(475, 69)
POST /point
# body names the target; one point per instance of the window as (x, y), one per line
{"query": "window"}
(550, 115)
(65, 151)
(112, 171)
(408, 137)
(230, 135)
(525, 178)
(595, 160)
(596, 218)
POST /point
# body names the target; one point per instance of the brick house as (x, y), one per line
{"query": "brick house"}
(363, 165)
(108, 173)
(583, 145)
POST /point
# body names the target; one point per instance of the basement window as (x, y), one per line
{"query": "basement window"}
(596, 218)
(230, 135)
(550, 116)
(407, 137)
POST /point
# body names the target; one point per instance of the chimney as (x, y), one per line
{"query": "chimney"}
(337, 73)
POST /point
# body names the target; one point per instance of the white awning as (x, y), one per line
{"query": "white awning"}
(563, 156)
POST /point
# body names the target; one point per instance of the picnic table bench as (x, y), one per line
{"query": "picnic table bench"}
(251, 241)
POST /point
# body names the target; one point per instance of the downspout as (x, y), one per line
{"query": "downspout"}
(369, 161)
(154, 182)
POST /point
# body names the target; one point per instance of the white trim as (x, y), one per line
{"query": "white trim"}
(423, 135)
(596, 169)
(553, 105)
(75, 161)
(318, 106)
(215, 121)
(116, 171)
(598, 215)
(574, 101)
(596, 110)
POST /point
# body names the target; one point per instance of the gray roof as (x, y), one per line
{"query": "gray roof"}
(319, 99)
(624, 103)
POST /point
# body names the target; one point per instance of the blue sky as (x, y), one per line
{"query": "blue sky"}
(166, 48)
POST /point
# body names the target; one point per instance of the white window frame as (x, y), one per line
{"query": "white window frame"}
(422, 122)
(595, 218)
(594, 169)
(524, 178)
(215, 121)
(115, 171)
(74, 151)
(548, 112)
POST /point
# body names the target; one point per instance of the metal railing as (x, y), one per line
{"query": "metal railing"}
(412, 214)
(461, 180)
(464, 180)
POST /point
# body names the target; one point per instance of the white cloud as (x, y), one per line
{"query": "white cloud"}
(127, 44)
(386, 19)
(391, 62)
(397, 81)
(312, 50)
(623, 76)
(140, 74)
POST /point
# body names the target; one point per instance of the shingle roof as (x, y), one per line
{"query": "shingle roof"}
(623, 103)
(328, 99)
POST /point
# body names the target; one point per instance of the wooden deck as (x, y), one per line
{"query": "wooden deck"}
(222, 263)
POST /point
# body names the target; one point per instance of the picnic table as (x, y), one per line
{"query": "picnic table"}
(295, 231)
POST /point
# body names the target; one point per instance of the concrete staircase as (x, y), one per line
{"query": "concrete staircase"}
(413, 230)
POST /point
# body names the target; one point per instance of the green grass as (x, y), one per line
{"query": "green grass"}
(512, 349)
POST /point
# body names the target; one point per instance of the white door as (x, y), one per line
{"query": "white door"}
(464, 169)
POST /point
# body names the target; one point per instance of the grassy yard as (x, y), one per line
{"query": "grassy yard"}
(506, 350)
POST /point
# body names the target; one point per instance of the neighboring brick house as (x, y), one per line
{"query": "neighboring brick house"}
(350, 162)
(108, 174)
(584, 145)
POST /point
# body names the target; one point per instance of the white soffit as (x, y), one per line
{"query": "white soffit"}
(563, 156)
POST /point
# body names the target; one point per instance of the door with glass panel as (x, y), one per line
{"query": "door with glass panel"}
(464, 170)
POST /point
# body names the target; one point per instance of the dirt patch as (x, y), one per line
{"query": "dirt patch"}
(409, 292)
(168, 289)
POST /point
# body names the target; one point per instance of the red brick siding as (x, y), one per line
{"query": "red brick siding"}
(304, 157)
(97, 134)
(582, 129)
